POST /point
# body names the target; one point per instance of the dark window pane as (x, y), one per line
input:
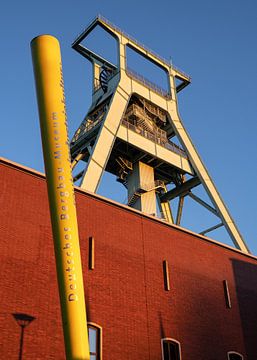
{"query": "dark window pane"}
(166, 350)
(171, 350)
(174, 351)
(235, 357)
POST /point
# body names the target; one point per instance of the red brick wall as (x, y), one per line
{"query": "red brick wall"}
(125, 292)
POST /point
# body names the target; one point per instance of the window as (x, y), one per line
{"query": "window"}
(232, 355)
(171, 349)
(95, 341)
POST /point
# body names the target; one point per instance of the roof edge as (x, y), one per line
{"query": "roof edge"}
(36, 173)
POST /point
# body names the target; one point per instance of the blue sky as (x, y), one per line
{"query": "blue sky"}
(213, 41)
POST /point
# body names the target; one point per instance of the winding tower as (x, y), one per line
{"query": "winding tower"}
(133, 130)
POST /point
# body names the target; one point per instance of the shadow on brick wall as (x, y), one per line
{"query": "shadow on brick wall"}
(246, 289)
(23, 320)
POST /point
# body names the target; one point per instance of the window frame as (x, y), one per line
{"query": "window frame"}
(174, 341)
(99, 330)
(235, 353)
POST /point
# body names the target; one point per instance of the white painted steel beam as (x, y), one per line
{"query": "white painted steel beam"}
(104, 143)
(156, 150)
(205, 178)
(122, 87)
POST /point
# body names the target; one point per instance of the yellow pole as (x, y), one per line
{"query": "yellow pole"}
(47, 65)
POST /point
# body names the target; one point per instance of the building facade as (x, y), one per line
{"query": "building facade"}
(153, 290)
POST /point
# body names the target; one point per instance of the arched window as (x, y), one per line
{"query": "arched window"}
(95, 341)
(232, 355)
(171, 349)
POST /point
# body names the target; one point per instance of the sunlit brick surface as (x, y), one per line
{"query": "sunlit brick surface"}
(125, 292)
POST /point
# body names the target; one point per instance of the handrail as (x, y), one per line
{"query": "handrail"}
(147, 82)
(144, 187)
(134, 108)
(147, 49)
(166, 144)
(86, 129)
(115, 27)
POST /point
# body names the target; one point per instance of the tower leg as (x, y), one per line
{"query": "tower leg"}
(207, 182)
(104, 142)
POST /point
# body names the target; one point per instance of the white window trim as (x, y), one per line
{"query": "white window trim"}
(174, 340)
(236, 353)
(100, 336)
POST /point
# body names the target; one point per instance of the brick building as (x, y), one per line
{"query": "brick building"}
(156, 291)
